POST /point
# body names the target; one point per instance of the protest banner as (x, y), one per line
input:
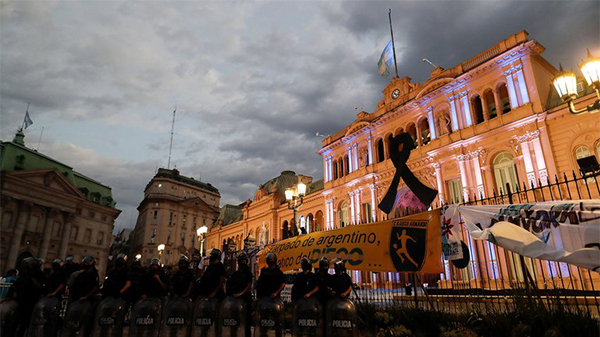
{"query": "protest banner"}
(407, 244)
(564, 231)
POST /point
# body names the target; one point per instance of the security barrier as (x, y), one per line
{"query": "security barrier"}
(232, 316)
(109, 318)
(45, 317)
(8, 317)
(307, 318)
(206, 316)
(341, 318)
(177, 318)
(145, 318)
(269, 318)
(77, 319)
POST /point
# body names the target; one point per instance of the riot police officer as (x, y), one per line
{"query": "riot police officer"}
(183, 280)
(86, 283)
(239, 284)
(118, 281)
(340, 283)
(271, 280)
(305, 284)
(323, 294)
(155, 283)
(55, 286)
(213, 279)
(27, 290)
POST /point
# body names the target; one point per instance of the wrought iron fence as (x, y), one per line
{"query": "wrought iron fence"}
(496, 278)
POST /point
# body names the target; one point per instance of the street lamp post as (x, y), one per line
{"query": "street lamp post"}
(566, 84)
(295, 199)
(160, 248)
(201, 232)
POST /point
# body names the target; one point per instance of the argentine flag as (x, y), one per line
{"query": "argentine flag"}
(27, 121)
(386, 60)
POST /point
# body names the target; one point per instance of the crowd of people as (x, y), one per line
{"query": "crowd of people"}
(133, 282)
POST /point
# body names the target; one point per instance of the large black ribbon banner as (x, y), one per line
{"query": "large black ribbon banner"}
(399, 158)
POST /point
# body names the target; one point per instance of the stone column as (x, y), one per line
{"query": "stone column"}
(352, 214)
(440, 182)
(64, 242)
(350, 166)
(510, 85)
(50, 214)
(357, 203)
(326, 214)
(529, 171)
(478, 177)
(15, 242)
(484, 106)
(539, 157)
(466, 109)
(373, 202)
(453, 114)
(325, 169)
(463, 175)
(370, 149)
(522, 84)
(489, 181)
(419, 140)
(432, 124)
(498, 102)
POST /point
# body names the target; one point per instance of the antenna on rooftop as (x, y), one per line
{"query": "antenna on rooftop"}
(318, 134)
(171, 144)
(40, 140)
(432, 64)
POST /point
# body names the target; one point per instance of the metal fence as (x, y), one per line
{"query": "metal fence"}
(495, 278)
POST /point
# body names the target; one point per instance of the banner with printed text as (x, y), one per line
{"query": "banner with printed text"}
(408, 244)
(564, 231)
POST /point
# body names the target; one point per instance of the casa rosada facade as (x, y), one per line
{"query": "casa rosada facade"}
(485, 123)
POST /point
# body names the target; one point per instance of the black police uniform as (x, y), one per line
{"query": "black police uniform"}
(340, 283)
(237, 282)
(54, 281)
(210, 280)
(27, 290)
(117, 279)
(269, 281)
(303, 284)
(150, 285)
(181, 281)
(323, 294)
(85, 282)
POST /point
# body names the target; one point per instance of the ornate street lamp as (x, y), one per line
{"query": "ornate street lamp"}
(201, 232)
(295, 199)
(566, 84)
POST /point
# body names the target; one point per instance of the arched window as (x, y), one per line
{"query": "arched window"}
(284, 230)
(488, 96)
(477, 109)
(582, 152)
(380, 151)
(598, 149)
(335, 170)
(340, 167)
(317, 224)
(346, 165)
(398, 131)
(504, 98)
(344, 214)
(412, 132)
(425, 132)
(505, 172)
(389, 143)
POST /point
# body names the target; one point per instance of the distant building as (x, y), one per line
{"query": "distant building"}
(121, 244)
(174, 207)
(50, 210)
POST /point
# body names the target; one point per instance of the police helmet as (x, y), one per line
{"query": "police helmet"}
(215, 254)
(57, 262)
(306, 265)
(271, 259)
(29, 262)
(88, 261)
(242, 258)
(121, 260)
(154, 262)
(339, 266)
(69, 259)
(324, 263)
(184, 260)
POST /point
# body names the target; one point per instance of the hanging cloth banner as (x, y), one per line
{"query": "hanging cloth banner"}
(408, 244)
(564, 231)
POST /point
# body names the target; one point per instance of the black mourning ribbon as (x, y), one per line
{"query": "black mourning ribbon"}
(399, 158)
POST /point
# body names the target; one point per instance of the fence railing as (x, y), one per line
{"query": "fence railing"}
(496, 278)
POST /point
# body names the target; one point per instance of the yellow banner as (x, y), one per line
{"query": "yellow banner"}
(408, 244)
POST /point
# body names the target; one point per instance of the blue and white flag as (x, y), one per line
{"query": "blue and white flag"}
(27, 121)
(386, 60)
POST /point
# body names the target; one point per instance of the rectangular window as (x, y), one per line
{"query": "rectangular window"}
(153, 236)
(184, 220)
(87, 235)
(192, 240)
(171, 219)
(104, 218)
(100, 238)
(194, 223)
(74, 233)
(155, 215)
(93, 215)
(169, 237)
(183, 239)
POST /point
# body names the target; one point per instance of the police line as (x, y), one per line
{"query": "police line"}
(408, 244)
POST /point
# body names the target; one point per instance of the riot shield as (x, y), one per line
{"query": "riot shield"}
(269, 318)
(177, 318)
(145, 318)
(8, 317)
(44, 318)
(232, 316)
(308, 318)
(109, 318)
(205, 317)
(341, 318)
(77, 319)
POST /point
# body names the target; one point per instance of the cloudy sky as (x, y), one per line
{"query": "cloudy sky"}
(252, 81)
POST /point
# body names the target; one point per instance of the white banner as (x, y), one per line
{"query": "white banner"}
(564, 231)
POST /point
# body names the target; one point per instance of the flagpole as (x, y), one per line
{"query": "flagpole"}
(24, 117)
(171, 144)
(40, 140)
(393, 44)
